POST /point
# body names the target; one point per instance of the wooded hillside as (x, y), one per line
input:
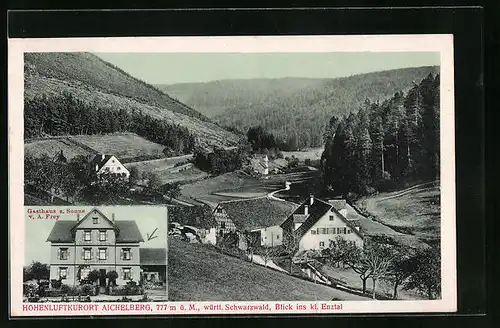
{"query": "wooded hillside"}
(291, 108)
(80, 93)
(385, 145)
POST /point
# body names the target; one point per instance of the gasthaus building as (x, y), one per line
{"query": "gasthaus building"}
(95, 242)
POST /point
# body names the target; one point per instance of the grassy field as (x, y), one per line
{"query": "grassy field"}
(159, 164)
(313, 154)
(167, 171)
(237, 185)
(349, 278)
(372, 228)
(52, 146)
(197, 272)
(413, 211)
(123, 145)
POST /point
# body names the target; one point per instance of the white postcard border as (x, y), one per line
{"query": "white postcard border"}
(442, 43)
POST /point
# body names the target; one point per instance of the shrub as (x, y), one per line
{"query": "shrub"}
(86, 290)
(131, 288)
(112, 276)
(307, 161)
(65, 289)
(56, 283)
(29, 288)
(54, 293)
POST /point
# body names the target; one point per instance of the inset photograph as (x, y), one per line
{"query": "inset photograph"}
(95, 254)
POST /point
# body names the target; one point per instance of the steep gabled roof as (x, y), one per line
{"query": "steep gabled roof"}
(318, 209)
(62, 232)
(102, 214)
(257, 213)
(153, 256)
(99, 161)
(196, 216)
(129, 232)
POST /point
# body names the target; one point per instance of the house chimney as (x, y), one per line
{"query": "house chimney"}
(97, 167)
(306, 209)
(78, 218)
(311, 199)
(102, 157)
(113, 217)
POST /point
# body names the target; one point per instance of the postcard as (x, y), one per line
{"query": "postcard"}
(232, 175)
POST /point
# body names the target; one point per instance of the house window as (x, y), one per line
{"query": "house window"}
(219, 210)
(102, 235)
(102, 253)
(126, 273)
(323, 231)
(277, 237)
(95, 220)
(63, 253)
(112, 161)
(339, 230)
(87, 253)
(332, 217)
(331, 231)
(63, 273)
(348, 231)
(126, 254)
(313, 232)
(223, 225)
(321, 244)
(87, 235)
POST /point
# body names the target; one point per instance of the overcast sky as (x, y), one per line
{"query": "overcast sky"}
(148, 218)
(171, 68)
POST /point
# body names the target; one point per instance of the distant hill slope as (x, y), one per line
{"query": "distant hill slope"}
(95, 81)
(290, 106)
(198, 272)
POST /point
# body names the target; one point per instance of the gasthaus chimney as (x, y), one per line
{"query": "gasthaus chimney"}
(311, 199)
(113, 217)
(78, 218)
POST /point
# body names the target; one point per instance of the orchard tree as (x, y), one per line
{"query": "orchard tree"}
(399, 269)
(252, 240)
(425, 268)
(377, 258)
(135, 175)
(291, 242)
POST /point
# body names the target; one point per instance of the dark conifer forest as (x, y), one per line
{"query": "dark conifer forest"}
(384, 145)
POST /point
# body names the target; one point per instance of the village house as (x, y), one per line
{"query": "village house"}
(317, 222)
(109, 163)
(194, 220)
(153, 264)
(258, 217)
(96, 242)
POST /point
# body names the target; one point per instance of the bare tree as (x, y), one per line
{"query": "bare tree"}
(377, 258)
(400, 268)
(268, 253)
